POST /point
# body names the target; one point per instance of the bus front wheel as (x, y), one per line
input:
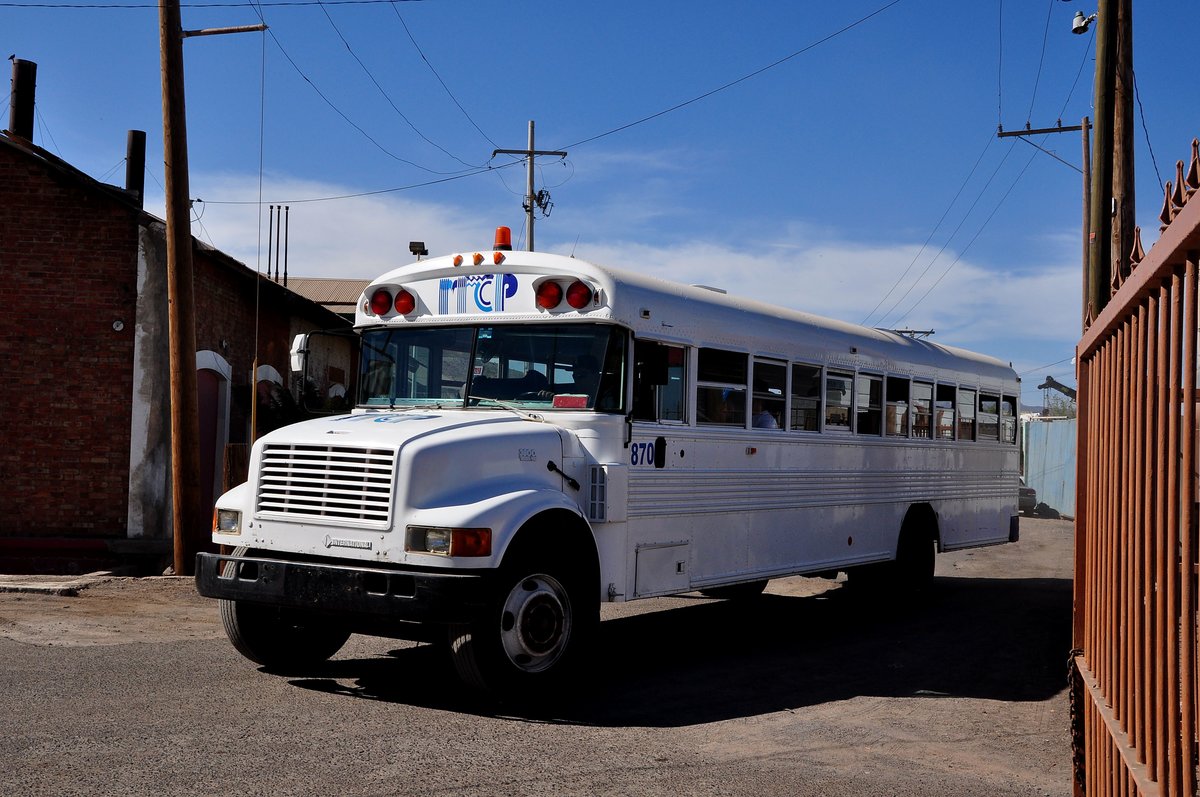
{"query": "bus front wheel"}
(278, 638)
(534, 630)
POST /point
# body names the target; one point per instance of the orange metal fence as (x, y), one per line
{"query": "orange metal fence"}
(1134, 698)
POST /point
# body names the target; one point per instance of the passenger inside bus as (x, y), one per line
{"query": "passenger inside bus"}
(762, 418)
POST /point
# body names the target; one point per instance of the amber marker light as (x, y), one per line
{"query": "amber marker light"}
(503, 239)
(478, 258)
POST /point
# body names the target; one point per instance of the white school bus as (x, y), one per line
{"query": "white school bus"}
(534, 434)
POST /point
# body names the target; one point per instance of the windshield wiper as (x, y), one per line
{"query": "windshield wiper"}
(529, 416)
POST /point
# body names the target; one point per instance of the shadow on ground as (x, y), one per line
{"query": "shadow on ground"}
(997, 639)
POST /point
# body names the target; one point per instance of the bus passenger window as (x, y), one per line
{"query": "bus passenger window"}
(660, 382)
(922, 404)
(897, 406)
(721, 388)
(870, 405)
(838, 401)
(966, 414)
(770, 382)
(989, 417)
(943, 409)
(806, 398)
(1008, 419)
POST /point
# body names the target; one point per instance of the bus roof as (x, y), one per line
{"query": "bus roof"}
(503, 288)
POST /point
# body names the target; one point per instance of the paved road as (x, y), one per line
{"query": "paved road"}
(130, 688)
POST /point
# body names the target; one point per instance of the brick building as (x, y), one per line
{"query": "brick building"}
(85, 460)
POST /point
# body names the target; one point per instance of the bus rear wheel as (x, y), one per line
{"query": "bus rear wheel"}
(905, 578)
(533, 632)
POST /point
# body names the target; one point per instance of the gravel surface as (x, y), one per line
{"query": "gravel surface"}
(128, 686)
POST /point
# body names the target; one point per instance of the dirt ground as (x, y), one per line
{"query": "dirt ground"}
(964, 696)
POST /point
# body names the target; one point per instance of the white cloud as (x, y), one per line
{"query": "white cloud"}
(1029, 315)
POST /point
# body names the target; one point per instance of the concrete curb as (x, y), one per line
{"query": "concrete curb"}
(66, 586)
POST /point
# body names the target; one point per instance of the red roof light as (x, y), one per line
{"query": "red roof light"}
(381, 302)
(405, 302)
(549, 295)
(579, 295)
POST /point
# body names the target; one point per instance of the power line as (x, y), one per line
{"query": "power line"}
(382, 91)
(973, 239)
(1145, 131)
(1041, 62)
(936, 227)
(135, 6)
(342, 113)
(733, 83)
(451, 178)
(953, 235)
(449, 93)
(1048, 365)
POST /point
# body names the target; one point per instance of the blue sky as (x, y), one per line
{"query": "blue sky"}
(815, 183)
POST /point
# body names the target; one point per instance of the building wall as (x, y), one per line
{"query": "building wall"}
(84, 347)
(68, 256)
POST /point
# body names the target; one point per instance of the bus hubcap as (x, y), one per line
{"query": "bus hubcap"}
(536, 623)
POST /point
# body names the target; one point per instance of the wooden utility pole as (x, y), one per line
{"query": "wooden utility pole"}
(1087, 216)
(1100, 227)
(531, 203)
(1123, 219)
(190, 527)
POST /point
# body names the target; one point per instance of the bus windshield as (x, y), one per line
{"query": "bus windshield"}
(551, 366)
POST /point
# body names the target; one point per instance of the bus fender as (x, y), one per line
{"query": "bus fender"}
(507, 514)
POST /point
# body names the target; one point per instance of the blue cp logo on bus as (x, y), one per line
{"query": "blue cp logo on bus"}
(488, 291)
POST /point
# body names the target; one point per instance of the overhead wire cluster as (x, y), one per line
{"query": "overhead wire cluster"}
(893, 316)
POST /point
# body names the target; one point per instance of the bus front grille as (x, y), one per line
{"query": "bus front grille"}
(343, 484)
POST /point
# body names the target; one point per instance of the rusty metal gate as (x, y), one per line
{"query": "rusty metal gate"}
(1135, 663)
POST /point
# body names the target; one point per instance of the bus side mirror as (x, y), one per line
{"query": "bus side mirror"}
(299, 354)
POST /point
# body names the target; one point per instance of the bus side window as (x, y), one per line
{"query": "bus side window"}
(897, 406)
(989, 417)
(943, 408)
(870, 405)
(966, 414)
(721, 388)
(922, 404)
(1008, 419)
(806, 398)
(770, 387)
(660, 382)
(839, 399)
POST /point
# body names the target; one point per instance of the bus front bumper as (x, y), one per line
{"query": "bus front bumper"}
(404, 595)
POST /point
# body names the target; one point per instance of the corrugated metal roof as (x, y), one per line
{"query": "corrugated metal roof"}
(339, 295)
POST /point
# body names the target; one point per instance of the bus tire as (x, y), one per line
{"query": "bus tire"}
(910, 574)
(736, 592)
(539, 622)
(278, 638)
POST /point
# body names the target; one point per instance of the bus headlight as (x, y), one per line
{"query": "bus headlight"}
(227, 521)
(449, 542)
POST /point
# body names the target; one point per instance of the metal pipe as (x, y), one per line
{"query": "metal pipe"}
(22, 101)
